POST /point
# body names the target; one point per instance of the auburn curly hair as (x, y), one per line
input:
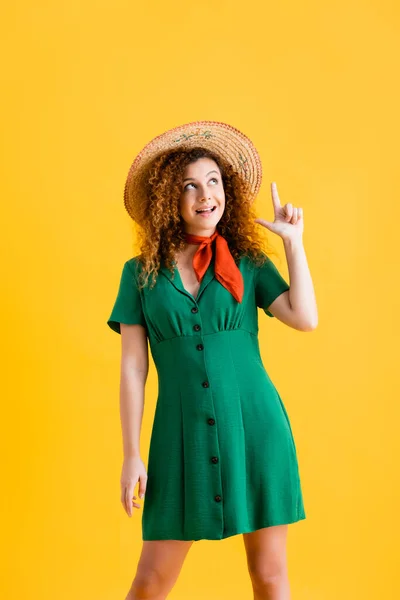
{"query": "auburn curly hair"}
(161, 232)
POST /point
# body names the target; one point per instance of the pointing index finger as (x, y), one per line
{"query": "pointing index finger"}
(275, 196)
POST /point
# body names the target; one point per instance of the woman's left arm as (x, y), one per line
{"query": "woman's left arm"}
(297, 307)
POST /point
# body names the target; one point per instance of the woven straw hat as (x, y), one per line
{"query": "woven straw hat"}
(226, 141)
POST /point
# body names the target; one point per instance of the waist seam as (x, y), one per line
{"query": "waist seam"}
(206, 334)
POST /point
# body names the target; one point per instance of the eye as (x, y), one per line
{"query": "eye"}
(212, 179)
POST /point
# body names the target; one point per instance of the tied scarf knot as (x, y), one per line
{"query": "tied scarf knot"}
(226, 270)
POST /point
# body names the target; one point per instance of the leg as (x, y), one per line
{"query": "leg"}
(158, 569)
(267, 562)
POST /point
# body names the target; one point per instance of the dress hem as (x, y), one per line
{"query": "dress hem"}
(228, 535)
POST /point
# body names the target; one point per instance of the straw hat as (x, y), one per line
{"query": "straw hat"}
(226, 141)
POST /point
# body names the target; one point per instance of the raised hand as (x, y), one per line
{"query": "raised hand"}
(288, 220)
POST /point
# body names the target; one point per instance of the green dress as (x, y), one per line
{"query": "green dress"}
(222, 458)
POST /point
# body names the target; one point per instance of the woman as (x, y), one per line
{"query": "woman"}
(222, 457)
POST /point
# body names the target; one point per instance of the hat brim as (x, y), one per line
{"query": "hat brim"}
(227, 142)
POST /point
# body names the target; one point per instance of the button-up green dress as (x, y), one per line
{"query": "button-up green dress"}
(222, 457)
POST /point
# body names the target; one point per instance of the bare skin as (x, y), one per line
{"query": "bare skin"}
(161, 562)
(158, 569)
(267, 562)
(185, 267)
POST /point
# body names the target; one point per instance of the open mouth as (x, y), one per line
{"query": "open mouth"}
(206, 210)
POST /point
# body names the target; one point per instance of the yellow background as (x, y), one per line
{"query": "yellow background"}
(85, 86)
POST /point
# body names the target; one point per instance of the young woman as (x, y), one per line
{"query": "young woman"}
(222, 457)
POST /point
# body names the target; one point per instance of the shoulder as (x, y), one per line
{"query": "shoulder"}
(134, 264)
(255, 264)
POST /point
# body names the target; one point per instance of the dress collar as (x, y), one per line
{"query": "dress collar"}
(177, 281)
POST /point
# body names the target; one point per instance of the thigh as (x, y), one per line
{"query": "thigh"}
(266, 549)
(162, 559)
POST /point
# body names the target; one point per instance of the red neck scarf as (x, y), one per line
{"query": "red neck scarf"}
(226, 270)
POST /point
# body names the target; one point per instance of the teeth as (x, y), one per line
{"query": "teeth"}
(205, 210)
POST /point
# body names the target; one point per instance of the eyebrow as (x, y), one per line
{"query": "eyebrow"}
(213, 171)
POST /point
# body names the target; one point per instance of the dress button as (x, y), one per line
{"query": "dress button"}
(218, 498)
(200, 347)
(205, 384)
(196, 327)
(195, 309)
(214, 460)
(211, 421)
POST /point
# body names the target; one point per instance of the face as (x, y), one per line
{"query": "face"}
(202, 201)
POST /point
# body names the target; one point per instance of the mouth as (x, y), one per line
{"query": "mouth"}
(205, 211)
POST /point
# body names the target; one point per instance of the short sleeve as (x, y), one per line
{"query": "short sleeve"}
(269, 284)
(128, 304)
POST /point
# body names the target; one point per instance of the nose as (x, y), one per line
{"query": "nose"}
(203, 192)
(205, 196)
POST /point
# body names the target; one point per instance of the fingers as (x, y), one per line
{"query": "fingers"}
(124, 499)
(142, 485)
(127, 497)
(288, 208)
(292, 213)
(275, 196)
(128, 500)
(133, 472)
(135, 504)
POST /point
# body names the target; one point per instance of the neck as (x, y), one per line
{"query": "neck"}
(204, 232)
(190, 249)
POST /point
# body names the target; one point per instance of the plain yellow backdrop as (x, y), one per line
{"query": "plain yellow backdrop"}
(85, 86)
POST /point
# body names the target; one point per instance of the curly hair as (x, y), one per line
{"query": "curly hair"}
(161, 233)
